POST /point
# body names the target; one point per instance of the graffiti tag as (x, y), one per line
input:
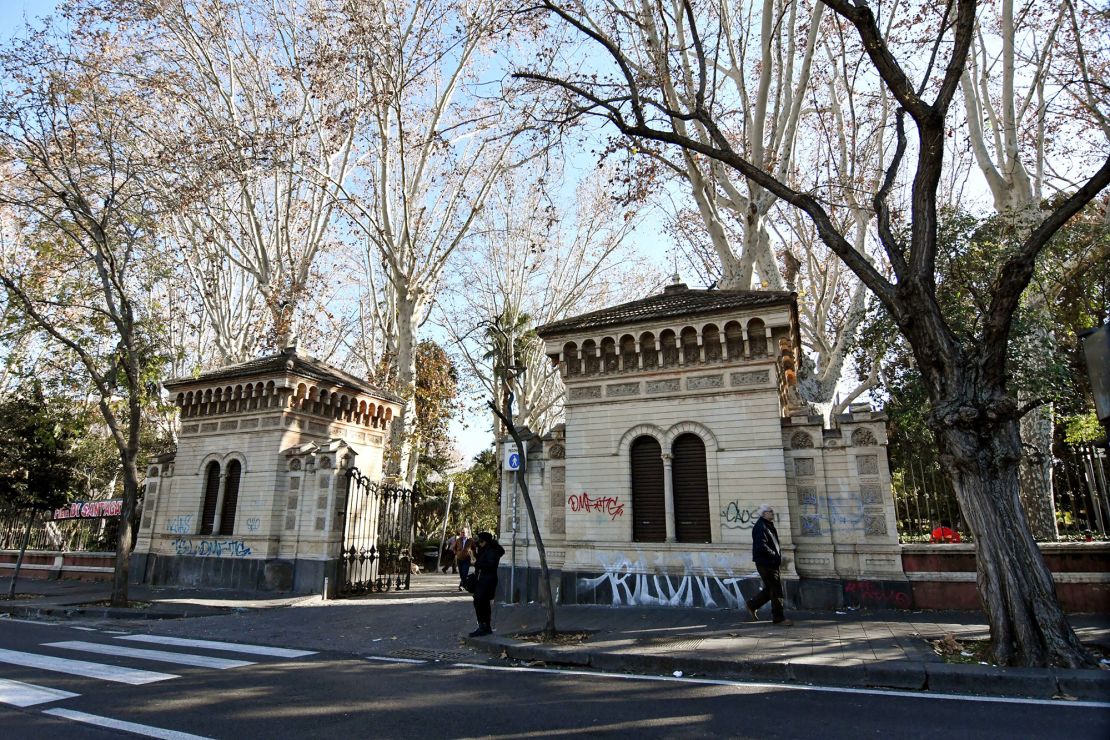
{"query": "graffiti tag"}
(737, 518)
(870, 593)
(182, 524)
(706, 579)
(253, 524)
(212, 548)
(610, 505)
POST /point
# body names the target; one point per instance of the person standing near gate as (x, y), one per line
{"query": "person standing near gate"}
(464, 546)
(768, 558)
(489, 553)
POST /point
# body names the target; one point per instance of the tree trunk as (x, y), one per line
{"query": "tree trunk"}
(22, 550)
(549, 630)
(981, 458)
(123, 534)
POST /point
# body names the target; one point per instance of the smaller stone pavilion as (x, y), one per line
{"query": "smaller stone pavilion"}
(682, 418)
(254, 496)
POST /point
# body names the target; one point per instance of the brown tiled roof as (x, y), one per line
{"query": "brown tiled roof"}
(675, 300)
(285, 362)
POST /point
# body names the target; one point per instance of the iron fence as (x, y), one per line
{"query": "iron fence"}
(376, 554)
(66, 535)
(924, 499)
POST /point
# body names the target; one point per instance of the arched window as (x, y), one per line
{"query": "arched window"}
(570, 357)
(628, 353)
(211, 495)
(589, 356)
(711, 340)
(734, 339)
(691, 490)
(231, 497)
(670, 348)
(757, 337)
(649, 508)
(648, 351)
(691, 353)
(608, 355)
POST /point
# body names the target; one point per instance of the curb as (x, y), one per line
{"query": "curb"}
(908, 675)
(71, 612)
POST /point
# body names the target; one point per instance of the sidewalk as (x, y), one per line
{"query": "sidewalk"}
(882, 649)
(885, 649)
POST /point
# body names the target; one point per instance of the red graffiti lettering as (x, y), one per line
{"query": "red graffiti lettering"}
(610, 505)
(871, 593)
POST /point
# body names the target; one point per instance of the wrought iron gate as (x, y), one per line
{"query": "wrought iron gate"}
(377, 536)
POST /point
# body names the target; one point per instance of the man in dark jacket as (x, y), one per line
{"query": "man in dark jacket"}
(768, 557)
(485, 564)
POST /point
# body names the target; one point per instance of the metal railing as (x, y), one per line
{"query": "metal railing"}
(924, 499)
(67, 535)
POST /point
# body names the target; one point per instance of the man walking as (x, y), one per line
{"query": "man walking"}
(463, 548)
(768, 557)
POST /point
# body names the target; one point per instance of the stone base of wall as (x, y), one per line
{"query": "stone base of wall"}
(244, 574)
(943, 576)
(649, 589)
(50, 564)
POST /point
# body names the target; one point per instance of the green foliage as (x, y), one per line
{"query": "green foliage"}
(1044, 358)
(1082, 428)
(37, 460)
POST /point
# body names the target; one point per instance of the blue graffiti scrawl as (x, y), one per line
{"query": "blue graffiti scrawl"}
(212, 548)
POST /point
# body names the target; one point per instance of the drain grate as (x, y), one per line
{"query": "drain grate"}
(431, 654)
(664, 643)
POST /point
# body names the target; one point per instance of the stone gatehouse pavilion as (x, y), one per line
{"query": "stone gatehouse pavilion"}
(682, 417)
(253, 497)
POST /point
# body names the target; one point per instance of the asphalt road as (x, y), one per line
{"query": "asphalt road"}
(242, 691)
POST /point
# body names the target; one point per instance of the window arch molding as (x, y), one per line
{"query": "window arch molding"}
(692, 427)
(640, 430)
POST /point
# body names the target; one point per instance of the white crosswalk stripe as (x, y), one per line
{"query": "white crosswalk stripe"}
(231, 647)
(19, 694)
(160, 656)
(119, 724)
(115, 673)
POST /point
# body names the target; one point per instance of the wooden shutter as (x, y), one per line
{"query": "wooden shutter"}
(211, 493)
(649, 508)
(691, 490)
(231, 498)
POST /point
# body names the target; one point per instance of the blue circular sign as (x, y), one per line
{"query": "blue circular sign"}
(514, 461)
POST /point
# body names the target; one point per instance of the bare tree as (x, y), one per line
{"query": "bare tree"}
(534, 260)
(432, 151)
(84, 249)
(262, 102)
(974, 414)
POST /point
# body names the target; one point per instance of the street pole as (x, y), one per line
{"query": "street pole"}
(446, 516)
(511, 362)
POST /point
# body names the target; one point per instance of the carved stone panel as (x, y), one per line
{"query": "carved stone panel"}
(801, 441)
(617, 390)
(811, 526)
(863, 438)
(758, 377)
(705, 382)
(874, 526)
(803, 467)
(670, 385)
(870, 494)
(585, 392)
(867, 464)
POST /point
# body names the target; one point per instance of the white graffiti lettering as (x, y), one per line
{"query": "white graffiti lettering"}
(707, 580)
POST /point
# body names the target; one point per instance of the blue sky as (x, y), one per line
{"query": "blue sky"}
(12, 13)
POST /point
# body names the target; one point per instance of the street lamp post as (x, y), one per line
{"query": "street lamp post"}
(446, 516)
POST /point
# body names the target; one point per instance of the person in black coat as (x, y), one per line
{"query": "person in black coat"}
(768, 558)
(485, 565)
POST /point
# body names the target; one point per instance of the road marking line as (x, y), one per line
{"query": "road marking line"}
(83, 668)
(797, 687)
(119, 724)
(231, 647)
(19, 694)
(29, 621)
(387, 659)
(200, 661)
